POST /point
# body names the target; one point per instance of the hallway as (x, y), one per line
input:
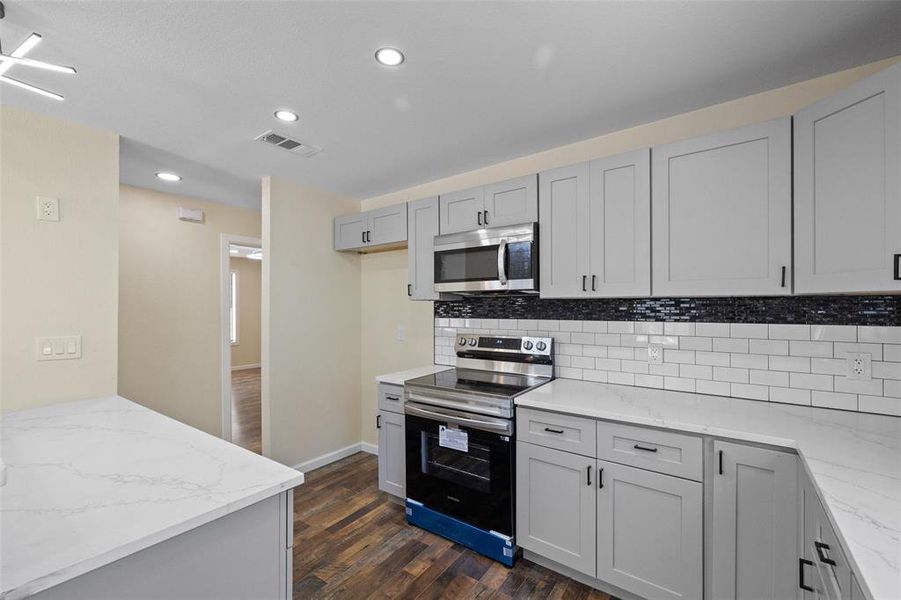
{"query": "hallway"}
(247, 421)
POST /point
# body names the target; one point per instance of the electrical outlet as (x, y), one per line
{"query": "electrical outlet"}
(655, 354)
(48, 209)
(859, 366)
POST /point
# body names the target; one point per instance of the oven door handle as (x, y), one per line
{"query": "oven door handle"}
(502, 262)
(504, 428)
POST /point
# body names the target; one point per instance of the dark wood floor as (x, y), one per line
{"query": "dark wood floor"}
(352, 541)
(247, 417)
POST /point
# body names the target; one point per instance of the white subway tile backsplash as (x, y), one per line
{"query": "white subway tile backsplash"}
(695, 343)
(797, 364)
(748, 330)
(753, 392)
(749, 361)
(715, 388)
(882, 335)
(822, 349)
(789, 332)
(730, 345)
(809, 381)
(833, 333)
(776, 347)
(834, 400)
(790, 396)
(712, 329)
(715, 359)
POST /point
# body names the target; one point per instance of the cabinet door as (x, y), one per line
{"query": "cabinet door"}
(349, 231)
(461, 211)
(421, 232)
(511, 202)
(755, 524)
(387, 225)
(563, 232)
(830, 574)
(848, 189)
(650, 532)
(620, 198)
(722, 213)
(555, 505)
(392, 474)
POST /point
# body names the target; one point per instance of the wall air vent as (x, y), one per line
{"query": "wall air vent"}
(285, 143)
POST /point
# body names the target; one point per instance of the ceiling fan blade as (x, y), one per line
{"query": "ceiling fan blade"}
(38, 64)
(30, 88)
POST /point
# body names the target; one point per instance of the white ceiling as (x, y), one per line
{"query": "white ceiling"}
(190, 84)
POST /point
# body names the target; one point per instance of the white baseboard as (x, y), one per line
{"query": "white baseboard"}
(245, 367)
(369, 448)
(336, 455)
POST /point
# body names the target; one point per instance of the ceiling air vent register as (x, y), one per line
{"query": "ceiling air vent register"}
(285, 143)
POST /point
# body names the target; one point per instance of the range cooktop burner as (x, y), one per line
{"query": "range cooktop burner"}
(508, 385)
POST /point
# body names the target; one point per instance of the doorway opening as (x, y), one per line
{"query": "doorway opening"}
(241, 313)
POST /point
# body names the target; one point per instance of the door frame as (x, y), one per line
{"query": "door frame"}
(225, 347)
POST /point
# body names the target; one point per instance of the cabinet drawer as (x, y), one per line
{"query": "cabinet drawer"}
(391, 397)
(573, 434)
(661, 451)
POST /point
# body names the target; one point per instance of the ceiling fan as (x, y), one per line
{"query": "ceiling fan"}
(17, 57)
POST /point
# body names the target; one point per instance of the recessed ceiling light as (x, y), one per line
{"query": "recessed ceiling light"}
(286, 115)
(171, 177)
(390, 57)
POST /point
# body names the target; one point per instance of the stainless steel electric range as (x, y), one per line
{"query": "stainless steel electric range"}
(460, 440)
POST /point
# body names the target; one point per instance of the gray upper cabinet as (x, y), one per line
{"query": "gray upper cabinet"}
(422, 229)
(649, 532)
(848, 189)
(370, 229)
(755, 524)
(564, 232)
(505, 203)
(722, 213)
(462, 210)
(511, 202)
(350, 231)
(555, 506)
(620, 224)
(595, 228)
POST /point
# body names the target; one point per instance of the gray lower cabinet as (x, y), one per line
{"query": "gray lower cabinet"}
(555, 506)
(649, 532)
(370, 229)
(422, 227)
(848, 189)
(392, 472)
(755, 524)
(824, 570)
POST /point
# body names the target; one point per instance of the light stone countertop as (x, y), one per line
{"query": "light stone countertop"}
(854, 459)
(401, 376)
(92, 481)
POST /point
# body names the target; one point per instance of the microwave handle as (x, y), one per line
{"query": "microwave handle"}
(502, 262)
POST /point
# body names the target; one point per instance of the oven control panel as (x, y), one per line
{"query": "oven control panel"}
(538, 346)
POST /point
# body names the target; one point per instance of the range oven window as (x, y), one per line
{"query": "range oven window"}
(470, 469)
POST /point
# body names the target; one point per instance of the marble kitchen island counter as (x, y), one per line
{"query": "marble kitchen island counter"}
(94, 481)
(854, 459)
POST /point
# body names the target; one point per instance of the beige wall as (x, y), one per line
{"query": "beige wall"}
(380, 287)
(169, 328)
(247, 350)
(57, 278)
(311, 351)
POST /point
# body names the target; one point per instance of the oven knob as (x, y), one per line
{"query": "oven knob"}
(472, 341)
(462, 341)
(527, 345)
(541, 346)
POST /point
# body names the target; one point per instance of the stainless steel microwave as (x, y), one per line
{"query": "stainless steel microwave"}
(494, 259)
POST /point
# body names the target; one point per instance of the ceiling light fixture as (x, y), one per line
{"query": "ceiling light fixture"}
(170, 177)
(286, 115)
(390, 57)
(17, 58)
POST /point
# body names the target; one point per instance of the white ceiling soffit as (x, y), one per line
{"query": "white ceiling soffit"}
(482, 81)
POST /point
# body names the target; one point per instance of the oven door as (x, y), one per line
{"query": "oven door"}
(461, 465)
(501, 259)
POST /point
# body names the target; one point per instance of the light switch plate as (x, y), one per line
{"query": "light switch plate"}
(48, 209)
(58, 348)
